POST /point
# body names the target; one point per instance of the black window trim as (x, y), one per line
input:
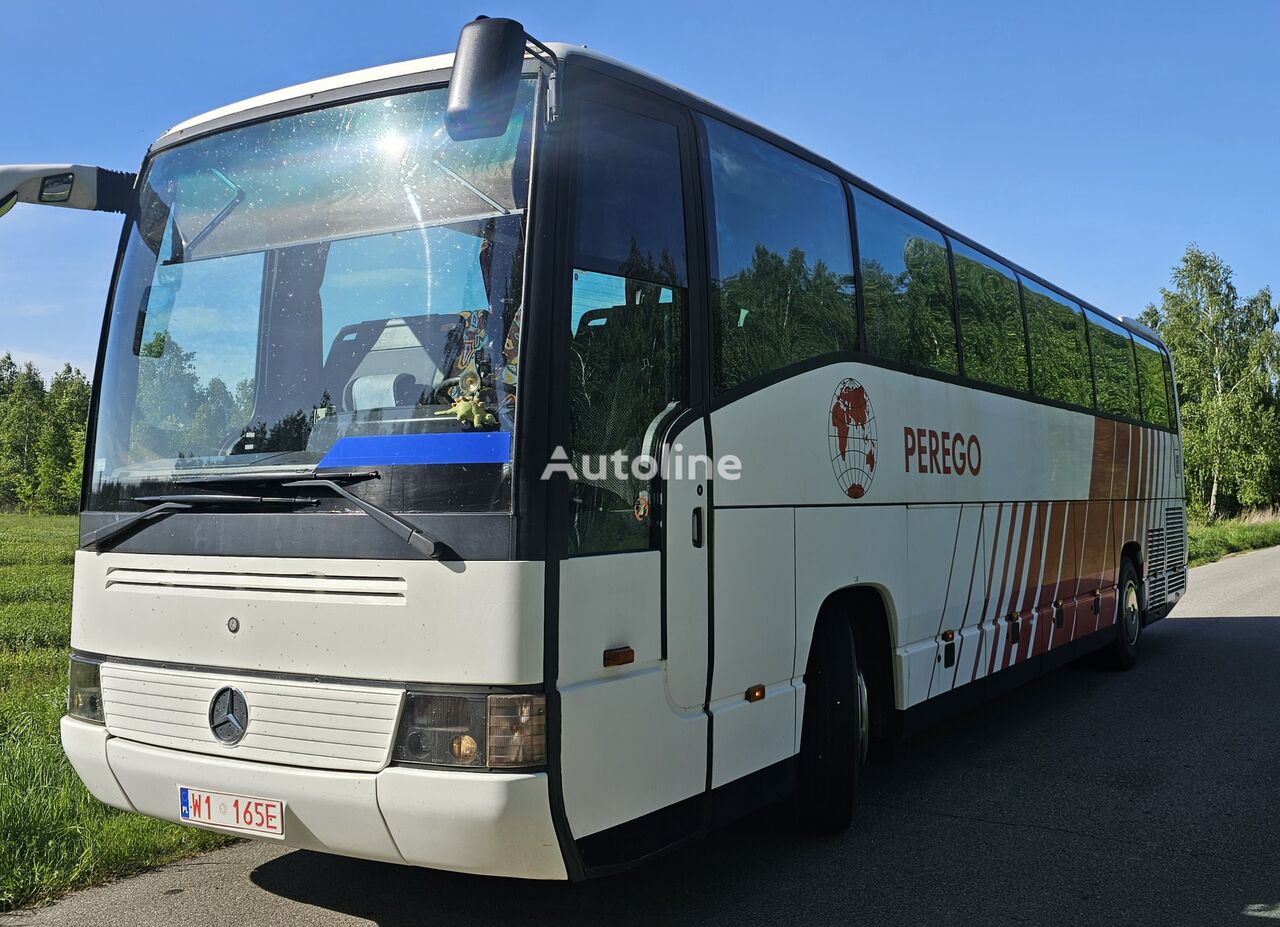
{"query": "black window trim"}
(703, 108)
(1137, 376)
(852, 212)
(1171, 388)
(1026, 336)
(955, 305)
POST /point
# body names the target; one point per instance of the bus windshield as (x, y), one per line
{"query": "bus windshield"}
(333, 288)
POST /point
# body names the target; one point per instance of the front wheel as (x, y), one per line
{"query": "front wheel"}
(1129, 609)
(835, 730)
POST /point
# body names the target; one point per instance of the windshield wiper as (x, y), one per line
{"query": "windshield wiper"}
(469, 185)
(182, 246)
(430, 547)
(98, 538)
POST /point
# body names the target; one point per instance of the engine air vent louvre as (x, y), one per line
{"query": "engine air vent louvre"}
(1175, 533)
(1156, 566)
(311, 587)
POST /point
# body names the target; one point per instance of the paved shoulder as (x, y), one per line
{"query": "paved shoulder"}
(1240, 586)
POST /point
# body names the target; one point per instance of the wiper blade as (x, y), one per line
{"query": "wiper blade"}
(450, 172)
(416, 538)
(276, 479)
(164, 505)
(183, 246)
(427, 545)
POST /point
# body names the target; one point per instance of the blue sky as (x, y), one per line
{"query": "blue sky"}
(1088, 141)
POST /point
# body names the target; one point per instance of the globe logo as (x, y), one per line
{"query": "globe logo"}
(852, 438)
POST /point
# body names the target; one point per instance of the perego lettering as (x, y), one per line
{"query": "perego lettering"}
(947, 453)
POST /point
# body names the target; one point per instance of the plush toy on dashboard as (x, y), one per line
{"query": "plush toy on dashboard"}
(469, 409)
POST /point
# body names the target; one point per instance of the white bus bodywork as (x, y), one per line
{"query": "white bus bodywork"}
(977, 571)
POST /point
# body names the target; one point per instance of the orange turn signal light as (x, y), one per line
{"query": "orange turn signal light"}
(755, 693)
(619, 656)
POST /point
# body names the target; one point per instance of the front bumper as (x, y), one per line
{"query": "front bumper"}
(484, 823)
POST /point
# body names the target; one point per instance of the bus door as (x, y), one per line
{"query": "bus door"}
(633, 584)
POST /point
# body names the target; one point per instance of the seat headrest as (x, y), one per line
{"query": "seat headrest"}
(379, 391)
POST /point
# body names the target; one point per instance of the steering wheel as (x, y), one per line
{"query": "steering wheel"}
(445, 384)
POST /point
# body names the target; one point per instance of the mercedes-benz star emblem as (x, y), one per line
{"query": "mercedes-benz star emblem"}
(228, 715)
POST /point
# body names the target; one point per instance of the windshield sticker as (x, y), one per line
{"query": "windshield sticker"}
(480, 447)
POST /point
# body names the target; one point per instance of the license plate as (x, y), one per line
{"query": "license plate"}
(238, 812)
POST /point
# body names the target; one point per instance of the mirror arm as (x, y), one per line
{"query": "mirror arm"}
(74, 186)
(545, 55)
(115, 190)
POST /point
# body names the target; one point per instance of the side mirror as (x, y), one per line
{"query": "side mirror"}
(72, 185)
(486, 72)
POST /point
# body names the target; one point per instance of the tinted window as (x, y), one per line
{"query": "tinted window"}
(1155, 398)
(1113, 367)
(1059, 352)
(630, 200)
(1170, 391)
(784, 265)
(906, 287)
(625, 377)
(991, 327)
(627, 324)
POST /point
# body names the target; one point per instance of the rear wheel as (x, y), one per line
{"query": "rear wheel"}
(1129, 610)
(835, 730)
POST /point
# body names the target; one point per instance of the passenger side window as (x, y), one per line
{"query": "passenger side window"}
(906, 287)
(991, 326)
(783, 270)
(1171, 390)
(627, 323)
(1059, 352)
(1155, 397)
(1114, 367)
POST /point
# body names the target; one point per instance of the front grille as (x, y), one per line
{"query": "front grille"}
(291, 722)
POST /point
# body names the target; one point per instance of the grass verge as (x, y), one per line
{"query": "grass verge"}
(55, 836)
(1207, 543)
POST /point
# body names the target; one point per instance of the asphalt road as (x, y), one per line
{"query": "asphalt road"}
(1086, 797)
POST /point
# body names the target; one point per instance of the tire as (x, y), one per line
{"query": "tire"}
(833, 736)
(1130, 611)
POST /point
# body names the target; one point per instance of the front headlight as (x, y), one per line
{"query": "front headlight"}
(84, 691)
(475, 731)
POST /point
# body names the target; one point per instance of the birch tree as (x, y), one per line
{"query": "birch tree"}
(1226, 355)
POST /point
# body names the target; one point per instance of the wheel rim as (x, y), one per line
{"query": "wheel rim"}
(1132, 613)
(864, 720)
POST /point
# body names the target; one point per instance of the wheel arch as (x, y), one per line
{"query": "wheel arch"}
(868, 609)
(1133, 551)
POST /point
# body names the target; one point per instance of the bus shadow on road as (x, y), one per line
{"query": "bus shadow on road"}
(1075, 798)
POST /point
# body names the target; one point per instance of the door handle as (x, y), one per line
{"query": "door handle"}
(697, 527)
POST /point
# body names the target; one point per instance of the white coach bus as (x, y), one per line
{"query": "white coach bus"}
(374, 559)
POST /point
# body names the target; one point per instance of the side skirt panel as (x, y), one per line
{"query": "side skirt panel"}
(927, 714)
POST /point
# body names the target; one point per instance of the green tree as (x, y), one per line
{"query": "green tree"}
(22, 400)
(8, 373)
(60, 445)
(1226, 354)
(780, 310)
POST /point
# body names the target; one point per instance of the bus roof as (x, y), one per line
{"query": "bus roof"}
(340, 86)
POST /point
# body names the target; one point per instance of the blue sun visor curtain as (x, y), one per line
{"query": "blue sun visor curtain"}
(475, 447)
